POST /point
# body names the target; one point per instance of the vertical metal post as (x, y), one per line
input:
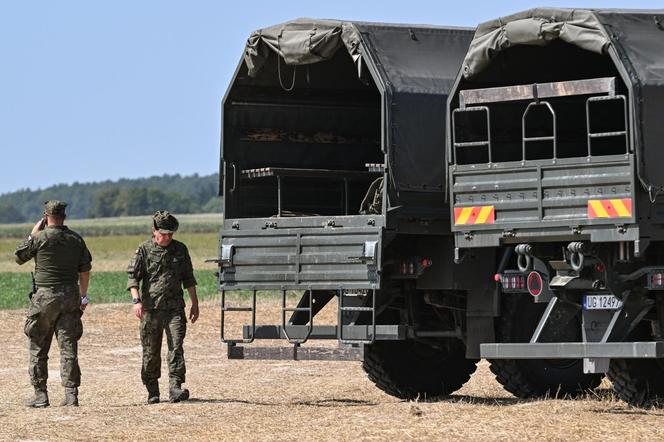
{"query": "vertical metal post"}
(283, 311)
(373, 316)
(278, 196)
(346, 196)
(555, 131)
(340, 318)
(488, 134)
(223, 312)
(253, 318)
(626, 124)
(588, 132)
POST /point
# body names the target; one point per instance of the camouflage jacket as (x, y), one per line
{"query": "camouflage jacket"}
(60, 255)
(161, 273)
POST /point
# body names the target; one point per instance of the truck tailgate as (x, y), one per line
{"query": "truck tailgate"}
(542, 200)
(301, 253)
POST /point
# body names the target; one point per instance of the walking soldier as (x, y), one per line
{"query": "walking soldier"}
(161, 267)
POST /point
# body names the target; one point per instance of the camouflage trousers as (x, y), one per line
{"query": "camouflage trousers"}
(54, 310)
(153, 325)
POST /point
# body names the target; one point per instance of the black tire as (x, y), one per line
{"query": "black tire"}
(410, 369)
(639, 382)
(536, 378)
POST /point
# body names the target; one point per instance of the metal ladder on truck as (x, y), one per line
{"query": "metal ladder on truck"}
(364, 298)
(252, 328)
(224, 309)
(285, 331)
(309, 326)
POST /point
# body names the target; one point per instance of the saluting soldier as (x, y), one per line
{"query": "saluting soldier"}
(161, 267)
(62, 275)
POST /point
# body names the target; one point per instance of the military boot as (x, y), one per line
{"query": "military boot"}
(177, 394)
(39, 399)
(153, 393)
(71, 397)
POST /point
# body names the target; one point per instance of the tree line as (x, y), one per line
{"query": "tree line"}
(124, 197)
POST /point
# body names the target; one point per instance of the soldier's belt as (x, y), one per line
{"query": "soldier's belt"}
(56, 286)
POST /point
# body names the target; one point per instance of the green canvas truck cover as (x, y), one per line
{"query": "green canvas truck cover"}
(416, 66)
(635, 39)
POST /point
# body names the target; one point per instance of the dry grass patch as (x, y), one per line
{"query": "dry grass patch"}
(278, 400)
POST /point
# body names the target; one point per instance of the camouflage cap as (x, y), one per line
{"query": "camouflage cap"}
(163, 221)
(54, 207)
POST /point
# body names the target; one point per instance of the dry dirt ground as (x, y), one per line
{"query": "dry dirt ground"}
(277, 400)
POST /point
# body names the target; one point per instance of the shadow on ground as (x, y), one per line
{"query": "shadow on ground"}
(318, 403)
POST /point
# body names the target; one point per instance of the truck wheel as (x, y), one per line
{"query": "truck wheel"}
(410, 369)
(533, 378)
(639, 382)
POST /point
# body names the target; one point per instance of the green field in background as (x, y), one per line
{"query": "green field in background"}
(112, 253)
(104, 287)
(126, 225)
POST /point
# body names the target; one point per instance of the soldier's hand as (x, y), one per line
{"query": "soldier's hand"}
(138, 310)
(38, 227)
(193, 313)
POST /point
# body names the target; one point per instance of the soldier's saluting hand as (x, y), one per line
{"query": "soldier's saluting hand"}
(62, 275)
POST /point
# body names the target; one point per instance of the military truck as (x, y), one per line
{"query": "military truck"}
(332, 166)
(554, 158)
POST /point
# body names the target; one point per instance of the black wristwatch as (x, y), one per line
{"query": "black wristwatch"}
(135, 300)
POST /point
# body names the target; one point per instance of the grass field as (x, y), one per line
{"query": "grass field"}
(126, 225)
(111, 254)
(104, 287)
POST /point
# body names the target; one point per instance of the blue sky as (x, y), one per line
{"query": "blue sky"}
(96, 90)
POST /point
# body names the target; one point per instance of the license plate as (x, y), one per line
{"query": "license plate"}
(601, 302)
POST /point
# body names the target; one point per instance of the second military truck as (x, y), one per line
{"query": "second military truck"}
(554, 157)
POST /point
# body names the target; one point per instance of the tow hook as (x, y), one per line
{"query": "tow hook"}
(577, 252)
(525, 259)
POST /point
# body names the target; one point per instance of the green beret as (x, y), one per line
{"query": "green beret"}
(163, 221)
(55, 207)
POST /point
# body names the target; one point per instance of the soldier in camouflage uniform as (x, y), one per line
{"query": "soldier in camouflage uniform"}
(162, 267)
(62, 275)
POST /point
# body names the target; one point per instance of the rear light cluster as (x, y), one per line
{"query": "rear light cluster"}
(512, 281)
(414, 266)
(656, 279)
